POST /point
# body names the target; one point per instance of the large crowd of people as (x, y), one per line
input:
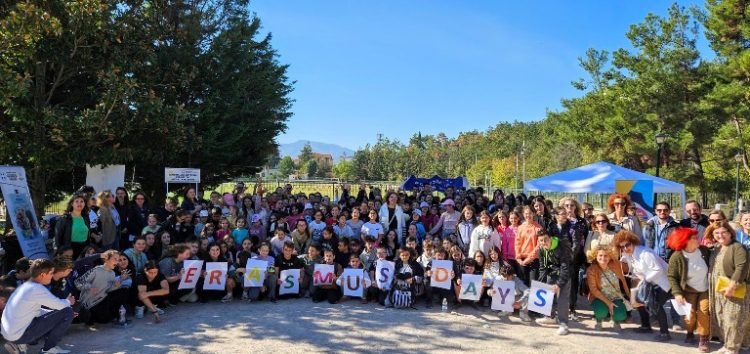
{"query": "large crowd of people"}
(117, 256)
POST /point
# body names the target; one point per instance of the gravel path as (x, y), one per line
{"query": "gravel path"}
(294, 326)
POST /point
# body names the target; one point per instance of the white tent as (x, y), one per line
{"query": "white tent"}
(598, 177)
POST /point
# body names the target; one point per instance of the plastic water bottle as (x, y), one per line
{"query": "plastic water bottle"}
(444, 308)
(122, 314)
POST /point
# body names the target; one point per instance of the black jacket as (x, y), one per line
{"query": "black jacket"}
(64, 228)
(416, 270)
(137, 219)
(554, 264)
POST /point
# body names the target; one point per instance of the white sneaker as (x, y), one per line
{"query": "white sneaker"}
(524, 317)
(139, 310)
(227, 298)
(244, 296)
(563, 330)
(676, 328)
(159, 311)
(193, 298)
(14, 348)
(546, 321)
(54, 350)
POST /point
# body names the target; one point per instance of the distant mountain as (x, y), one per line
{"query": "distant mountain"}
(337, 151)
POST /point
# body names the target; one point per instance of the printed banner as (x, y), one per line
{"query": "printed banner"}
(353, 281)
(540, 300)
(323, 274)
(103, 178)
(15, 189)
(441, 274)
(216, 276)
(190, 275)
(437, 183)
(289, 281)
(471, 287)
(255, 273)
(384, 274)
(182, 175)
(641, 193)
(505, 295)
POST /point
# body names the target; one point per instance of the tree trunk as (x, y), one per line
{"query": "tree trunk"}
(698, 167)
(37, 180)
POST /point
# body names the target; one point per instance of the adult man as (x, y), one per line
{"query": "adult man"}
(658, 229)
(695, 220)
(24, 321)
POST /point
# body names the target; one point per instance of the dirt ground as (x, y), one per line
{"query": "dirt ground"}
(298, 325)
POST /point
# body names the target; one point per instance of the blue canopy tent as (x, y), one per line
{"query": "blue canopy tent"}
(598, 177)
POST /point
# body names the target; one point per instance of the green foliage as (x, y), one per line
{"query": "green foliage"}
(311, 168)
(286, 166)
(344, 170)
(146, 84)
(306, 154)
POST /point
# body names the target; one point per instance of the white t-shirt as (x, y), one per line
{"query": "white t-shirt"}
(697, 276)
(24, 305)
(372, 230)
(316, 229)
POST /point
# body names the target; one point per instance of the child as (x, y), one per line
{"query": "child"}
(317, 226)
(375, 292)
(426, 256)
(208, 233)
(391, 245)
(341, 229)
(271, 276)
(411, 244)
(240, 233)
(369, 254)
(223, 229)
(152, 226)
(328, 240)
(521, 293)
(277, 243)
(202, 219)
(355, 247)
(257, 231)
(329, 292)
(309, 260)
(373, 228)
(470, 267)
(354, 263)
(407, 271)
(443, 294)
(288, 260)
(554, 259)
(242, 256)
(355, 224)
(343, 253)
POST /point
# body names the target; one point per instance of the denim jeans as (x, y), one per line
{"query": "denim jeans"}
(50, 327)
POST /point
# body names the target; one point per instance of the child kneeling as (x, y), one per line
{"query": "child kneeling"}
(520, 293)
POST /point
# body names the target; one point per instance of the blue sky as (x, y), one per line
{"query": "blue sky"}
(398, 67)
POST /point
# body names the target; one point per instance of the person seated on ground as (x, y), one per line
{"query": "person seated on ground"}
(343, 252)
(137, 255)
(214, 255)
(5, 292)
(375, 292)
(554, 260)
(19, 275)
(470, 267)
(24, 320)
(520, 293)
(447, 295)
(355, 263)
(606, 280)
(288, 260)
(330, 292)
(63, 267)
(153, 290)
(171, 267)
(309, 260)
(101, 293)
(269, 284)
(407, 270)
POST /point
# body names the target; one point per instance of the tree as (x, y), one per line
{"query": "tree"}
(286, 166)
(146, 84)
(306, 154)
(311, 168)
(344, 170)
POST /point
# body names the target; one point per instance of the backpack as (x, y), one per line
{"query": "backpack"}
(401, 295)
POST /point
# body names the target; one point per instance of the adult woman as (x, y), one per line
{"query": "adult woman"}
(579, 232)
(717, 216)
(526, 246)
(688, 278)
(301, 237)
(214, 255)
(106, 220)
(743, 235)
(542, 214)
(728, 273)
(153, 290)
(190, 202)
(601, 235)
(484, 237)
(618, 205)
(448, 219)
(101, 292)
(465, 228)
(652, 272)
(606, 283)
(392, 216)
(73, 227)
(137, 218)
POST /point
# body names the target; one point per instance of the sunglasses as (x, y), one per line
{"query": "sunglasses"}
(569, 205)
(622, 247)
(715, 220)
(619, 203)
(602, 221)
(662, 210)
